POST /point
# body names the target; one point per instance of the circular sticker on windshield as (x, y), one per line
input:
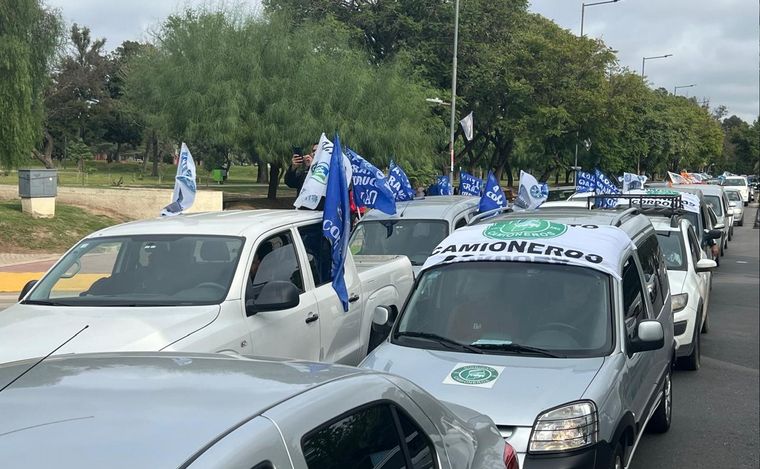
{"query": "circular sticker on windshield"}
(524, 229)
(474, 374)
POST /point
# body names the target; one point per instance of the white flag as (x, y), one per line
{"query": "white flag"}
(467, 126)
(315, 185)
(531, 193)
(184, 185)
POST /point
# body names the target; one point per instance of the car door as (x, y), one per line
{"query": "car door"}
(289, 333)
(638, 388)
(702, 278)
(339, 330)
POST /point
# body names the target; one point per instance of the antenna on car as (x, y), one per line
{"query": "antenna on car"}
(43, 358)
(401, 215)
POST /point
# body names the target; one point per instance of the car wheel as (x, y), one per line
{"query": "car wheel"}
(617, 457)
(741, 222)
(731, 233)
(660, 422)
(722, 253)
(693, 361)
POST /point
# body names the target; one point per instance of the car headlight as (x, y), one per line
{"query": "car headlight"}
(565, 428)
(679, 301)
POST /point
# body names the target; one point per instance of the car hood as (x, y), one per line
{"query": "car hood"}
(28, 331)
(525, 387)
(677, 280)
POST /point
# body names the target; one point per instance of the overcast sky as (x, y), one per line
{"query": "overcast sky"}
(715, 43)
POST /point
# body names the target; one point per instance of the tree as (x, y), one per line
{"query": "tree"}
(29, 37)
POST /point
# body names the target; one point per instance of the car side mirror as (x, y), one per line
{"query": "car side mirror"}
(706, 265)
(649, 336)
(275, 295)
(719, 226)
(381, 315)
(732, 204)
(713, 234)
(27, 287)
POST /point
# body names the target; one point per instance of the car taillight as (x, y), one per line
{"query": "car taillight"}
(510, 457)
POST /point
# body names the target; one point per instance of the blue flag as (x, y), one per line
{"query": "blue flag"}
(604, 186)
(585, 182)
(493, 197)
(371, 189)
(442, 186)
(469, 184)
(336, 220)
(399, 183)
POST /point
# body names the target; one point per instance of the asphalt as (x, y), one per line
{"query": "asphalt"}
(716, 410)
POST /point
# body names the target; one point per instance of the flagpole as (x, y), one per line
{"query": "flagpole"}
(454, 88)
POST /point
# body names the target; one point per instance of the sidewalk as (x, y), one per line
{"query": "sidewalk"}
(17, 269)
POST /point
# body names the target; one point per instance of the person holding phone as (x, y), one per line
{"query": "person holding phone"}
(299, 167)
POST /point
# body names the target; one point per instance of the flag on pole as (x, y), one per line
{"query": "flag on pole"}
(677, 178)
(315, 185)
(442, 186)
(399, 183)
(493, 196)
(467, 126)
(469, 184)
(633, 181)
(371, 189)
(184, 185)
(336, 218)
(585, 182)
(604, 186)
(531, 193)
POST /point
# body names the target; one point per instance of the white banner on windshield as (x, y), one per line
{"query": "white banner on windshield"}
(536, 240)
(690, 201)
(315, 186)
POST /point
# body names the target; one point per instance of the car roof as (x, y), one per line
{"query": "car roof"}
(707, 189)
(164, 406)
(231, 223)
(439, 207)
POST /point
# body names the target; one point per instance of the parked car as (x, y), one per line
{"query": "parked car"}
(690, 280)
(703, 221)
(556, 323)
(415, 230)
(740, 183)
(236, 282)
(160, 410)
(735, 203)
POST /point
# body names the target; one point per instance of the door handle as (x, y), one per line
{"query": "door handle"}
(311, 318)
(353, 298)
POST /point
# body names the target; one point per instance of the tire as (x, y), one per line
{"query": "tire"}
(617, 457)
(662, 417)
(741, 222)
(722, 251)
(694, 361)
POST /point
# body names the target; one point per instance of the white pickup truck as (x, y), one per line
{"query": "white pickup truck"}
(240, 282)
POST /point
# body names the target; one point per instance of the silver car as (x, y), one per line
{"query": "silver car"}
(736, 204)
(418, 226)
(150, 410)
(556, 323)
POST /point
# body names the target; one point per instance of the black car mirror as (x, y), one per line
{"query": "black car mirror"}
(27, 287)
(275, 295)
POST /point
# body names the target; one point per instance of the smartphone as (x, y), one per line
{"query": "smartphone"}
(298, 151)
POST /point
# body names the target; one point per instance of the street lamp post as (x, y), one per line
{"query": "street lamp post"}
(454, 88)
(644, 60)
(583, 10)
(676, 88)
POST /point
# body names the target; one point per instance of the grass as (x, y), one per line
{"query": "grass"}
(21, 233)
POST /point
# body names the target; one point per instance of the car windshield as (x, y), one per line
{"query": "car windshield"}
(734, 182)
(414, 239)
(671, 244)
(503, 307)
(734, 196)
(161, 270)
(714, 202)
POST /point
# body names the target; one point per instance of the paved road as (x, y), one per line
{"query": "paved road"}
(716, 410)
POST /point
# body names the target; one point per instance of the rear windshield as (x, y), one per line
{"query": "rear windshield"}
(494, 306)
(671, 244)
(734, 182)
(149, 270)
(714, 202)
(414, 239)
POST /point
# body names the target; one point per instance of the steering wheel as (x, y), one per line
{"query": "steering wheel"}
(221, 288)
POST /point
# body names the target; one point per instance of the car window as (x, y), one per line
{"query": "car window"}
(671, 244)
(651, 264)
(634, 304)
(420, 447)
(263, 465)
(414, 239)
(319, 253)
(460, 223)
(365, 438)
(715, 202)
(275, 260)
(696, 252)
(734, 196)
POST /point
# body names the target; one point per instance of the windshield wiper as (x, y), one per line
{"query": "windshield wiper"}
(441, 340)
(510, 347)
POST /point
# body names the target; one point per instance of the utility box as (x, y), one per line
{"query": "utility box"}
(218, 175)
(33, 183)
(37, 189)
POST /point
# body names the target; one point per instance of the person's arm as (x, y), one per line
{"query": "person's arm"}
(292, 178)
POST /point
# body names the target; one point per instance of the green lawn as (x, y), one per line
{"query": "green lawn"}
(20, 232)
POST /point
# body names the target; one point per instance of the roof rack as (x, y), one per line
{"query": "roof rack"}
(488, 214)
(666, 205)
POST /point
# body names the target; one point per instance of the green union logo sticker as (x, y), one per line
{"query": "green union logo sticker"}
(528, 228)
(474, 374)
(320, 172)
